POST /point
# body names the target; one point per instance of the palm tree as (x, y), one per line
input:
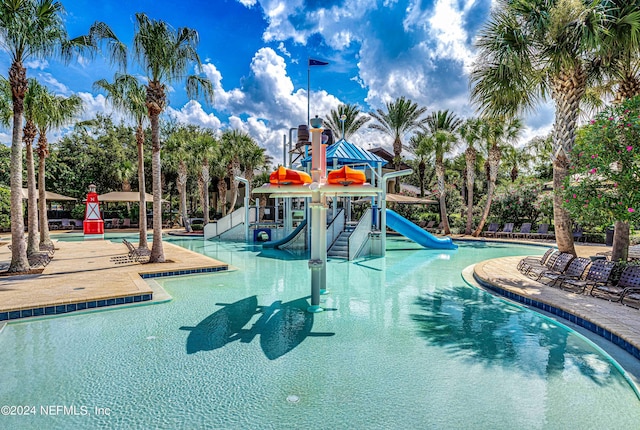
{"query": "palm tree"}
(165, 55)
(233, 144)
(470, 133)
(33, 104)
(252, 158)
(528, 50)
(54, 112)
(28, 28)
(177, 156)
(441, 129)
(128, 95)
(420, 146)
(515, 159)
(497, 133)
(33, 28)
(205, 148)
(401, 117)
(347, 126)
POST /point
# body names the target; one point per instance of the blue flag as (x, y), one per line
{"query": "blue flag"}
(313, 62)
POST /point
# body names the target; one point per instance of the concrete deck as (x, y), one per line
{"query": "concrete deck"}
(86, 271)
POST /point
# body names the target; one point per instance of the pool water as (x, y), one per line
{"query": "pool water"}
(404, 343)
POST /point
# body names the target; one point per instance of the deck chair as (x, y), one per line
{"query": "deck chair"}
(140, 255)
(599, 274)
(542, 233)
(430, 225)
(491, 230)
(525, 229)
(126, 223)
(558, 266)
(574, 271)
(507, 230)
(527, 262)
(628, 285)
(67, 224)
(578, 233)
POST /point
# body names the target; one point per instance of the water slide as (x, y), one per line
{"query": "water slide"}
(278, 243)
(415, 233)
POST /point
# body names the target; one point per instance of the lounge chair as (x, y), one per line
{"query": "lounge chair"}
(527, 262)
(67, 224)
(491, 230)
(542, 233)
(525, 229)
(574, 271)
(578, 233)
(599, 274)
(558, 266)
(507, 230)
(137, 254)
(628, 284)
(430, 225)
(551, 260)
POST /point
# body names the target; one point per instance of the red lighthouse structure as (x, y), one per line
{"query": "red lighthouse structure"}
(93, 222)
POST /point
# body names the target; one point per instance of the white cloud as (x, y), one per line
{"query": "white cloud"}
(36, 64)
(193, 113)
(248, 3)
(53, 84)
(446, 25)
(283, 49)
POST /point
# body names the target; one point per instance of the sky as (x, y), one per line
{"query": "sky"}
(255, 52)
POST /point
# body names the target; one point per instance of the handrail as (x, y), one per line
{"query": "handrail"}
(335, 227)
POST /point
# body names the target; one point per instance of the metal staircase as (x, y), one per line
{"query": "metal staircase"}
(340, 248)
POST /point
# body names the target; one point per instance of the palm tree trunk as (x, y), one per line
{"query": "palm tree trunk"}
(142, 215)
(33, 238)
(421, 169)
(568, 89)
(157, 250)
(18, 80)
(470, 157)
(441, 191)
(206, 181)
(182, 190)
(45, 238)
(620, 250)
(397, 157)
(233, 171)
(222, 196)
(493, 164)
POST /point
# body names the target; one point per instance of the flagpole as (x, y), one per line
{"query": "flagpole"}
(308, 88)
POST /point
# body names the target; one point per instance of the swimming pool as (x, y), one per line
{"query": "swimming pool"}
(404, 344)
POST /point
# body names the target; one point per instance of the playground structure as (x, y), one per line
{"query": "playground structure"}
(316, 231)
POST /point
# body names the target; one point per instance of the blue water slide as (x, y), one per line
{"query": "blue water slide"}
(415, 233)
(278, 243)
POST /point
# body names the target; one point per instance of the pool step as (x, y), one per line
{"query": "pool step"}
(340, 248)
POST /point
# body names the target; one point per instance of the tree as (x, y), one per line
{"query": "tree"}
(178, 157)
(401, 117)
(206, 148)
(606, 168)
(128, 95)
(165, 55)
(529, 49)
(54, 112)
(470, 134)
(420, 146)
(515, 159)
(496, 133)
(33, 103)
(32, 28)
(234, 144)
(441, 127)
(352, 122)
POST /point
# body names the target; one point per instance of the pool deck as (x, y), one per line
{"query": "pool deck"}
(615, 322)
(85, 275)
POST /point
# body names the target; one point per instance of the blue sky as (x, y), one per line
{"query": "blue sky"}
(255, 52)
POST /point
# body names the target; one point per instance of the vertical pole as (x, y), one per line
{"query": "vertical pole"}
(247, 192)
(318, 260)
(308, 89)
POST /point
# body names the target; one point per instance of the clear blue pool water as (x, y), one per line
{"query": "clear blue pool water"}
(405, 344)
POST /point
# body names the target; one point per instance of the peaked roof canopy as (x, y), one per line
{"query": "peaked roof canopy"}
(347, 153)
